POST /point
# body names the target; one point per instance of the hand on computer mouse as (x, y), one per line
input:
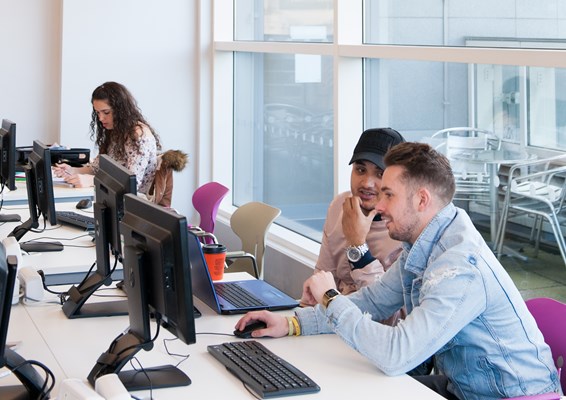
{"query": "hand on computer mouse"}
(246, 333)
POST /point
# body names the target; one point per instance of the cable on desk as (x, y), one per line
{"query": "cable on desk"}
(184, 357)
(61, 238)
(44, 225)
(44, 395)
(38, 239)
(63, 295)
(145, 373)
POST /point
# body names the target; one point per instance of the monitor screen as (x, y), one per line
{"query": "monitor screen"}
(111, 182)
(158, 282)
(8, 154)
(39, 185)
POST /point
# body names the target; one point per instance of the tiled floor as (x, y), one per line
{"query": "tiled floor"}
(543, 276)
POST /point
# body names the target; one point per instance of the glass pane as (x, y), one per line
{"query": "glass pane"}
(451, 23)
(498, 100)
(417, 98)
(547, 107)
(283, 136)
(284, 20)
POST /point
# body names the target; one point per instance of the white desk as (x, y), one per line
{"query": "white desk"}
(61, 192)
(71, 348)
(67, 266)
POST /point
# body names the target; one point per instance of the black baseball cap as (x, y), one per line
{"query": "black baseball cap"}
(374, 143)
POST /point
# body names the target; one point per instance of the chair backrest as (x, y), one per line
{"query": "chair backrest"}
(251, 223)
(550, 316)
(206, 200)
(460, 140)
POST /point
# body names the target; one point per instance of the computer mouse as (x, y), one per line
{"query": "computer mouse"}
(84, 203)
(246, 333)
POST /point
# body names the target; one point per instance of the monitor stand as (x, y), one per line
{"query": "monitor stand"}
(120, 352)
(10, 218)
(41, 247)
(75, 307)
(32, 383)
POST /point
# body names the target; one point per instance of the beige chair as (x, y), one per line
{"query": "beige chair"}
(251, 223)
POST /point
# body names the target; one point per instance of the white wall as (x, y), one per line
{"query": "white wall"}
(148, 46)
(30, 46)
(55, 52)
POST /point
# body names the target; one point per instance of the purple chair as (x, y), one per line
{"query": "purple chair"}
(206, 200)
(546, 396)
(550, 316)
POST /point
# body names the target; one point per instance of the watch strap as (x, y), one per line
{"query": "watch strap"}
(366, 259)
(328, 298)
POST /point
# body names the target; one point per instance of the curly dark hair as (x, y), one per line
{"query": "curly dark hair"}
(423, 165)
(127, 117)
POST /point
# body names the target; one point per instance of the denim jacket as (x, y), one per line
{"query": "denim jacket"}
(462, 307)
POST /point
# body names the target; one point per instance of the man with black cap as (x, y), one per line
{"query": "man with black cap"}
(356, 247)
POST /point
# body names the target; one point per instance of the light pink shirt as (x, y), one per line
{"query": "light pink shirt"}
(332, 256)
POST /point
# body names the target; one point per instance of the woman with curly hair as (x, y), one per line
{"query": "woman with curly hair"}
(119, 130)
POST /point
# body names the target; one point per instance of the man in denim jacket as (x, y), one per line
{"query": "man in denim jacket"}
(462, 306)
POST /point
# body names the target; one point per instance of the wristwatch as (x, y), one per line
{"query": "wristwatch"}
(355, 253)
(329, 295)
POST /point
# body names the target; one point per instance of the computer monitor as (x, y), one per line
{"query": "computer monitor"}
(158, 281)
(8, 163)
(111, 182)
(32, 384)
(8, 154)
(41, 202)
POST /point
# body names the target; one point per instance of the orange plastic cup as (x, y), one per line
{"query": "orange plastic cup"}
(215, 257)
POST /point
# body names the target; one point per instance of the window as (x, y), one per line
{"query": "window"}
(284, 136)
(309, 76)
(284, 20)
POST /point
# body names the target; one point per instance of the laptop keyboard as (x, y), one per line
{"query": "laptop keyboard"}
(262, 371)
(78, 220)
(237, 295)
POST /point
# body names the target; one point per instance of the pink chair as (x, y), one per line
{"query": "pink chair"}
(550, 315)
(206, 200)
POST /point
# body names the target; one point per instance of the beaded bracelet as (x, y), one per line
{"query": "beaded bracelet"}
(296, 325)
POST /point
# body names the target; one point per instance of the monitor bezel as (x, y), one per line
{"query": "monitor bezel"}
(40, 161)
(111, 182)
(8, 154)
(39, 184)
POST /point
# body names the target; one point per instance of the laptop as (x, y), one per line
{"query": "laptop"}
(268, 297)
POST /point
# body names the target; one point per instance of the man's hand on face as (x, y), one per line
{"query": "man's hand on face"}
(355, 223)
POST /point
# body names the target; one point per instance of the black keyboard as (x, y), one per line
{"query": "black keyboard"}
(72, 218)
(237, 295)
(261, 371)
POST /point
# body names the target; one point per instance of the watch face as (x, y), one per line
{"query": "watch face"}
(354, 254)
(331, 293)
